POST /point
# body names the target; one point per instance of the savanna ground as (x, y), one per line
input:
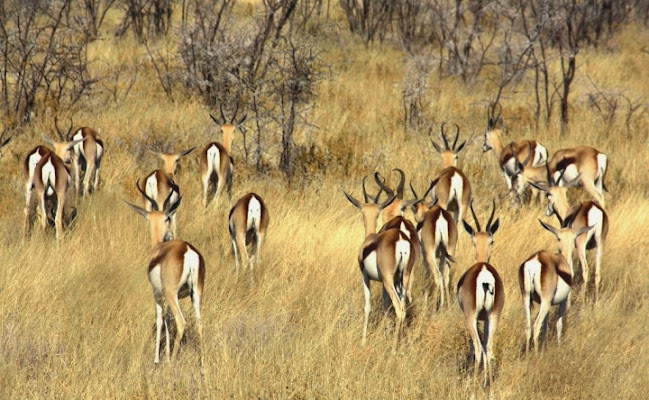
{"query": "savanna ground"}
(77, 318)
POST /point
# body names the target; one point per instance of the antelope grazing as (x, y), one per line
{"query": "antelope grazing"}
(176, 270)
(508, 156)
(247, 223)
(385, 257)
(546, 279)
(481, 296)
(45, 171)
(86, 157)
(584, 214)
(437, 233)
(449, 153)
(160, 184)
(216, 159)
(584, 162)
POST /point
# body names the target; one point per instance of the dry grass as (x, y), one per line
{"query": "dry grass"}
(76, 318)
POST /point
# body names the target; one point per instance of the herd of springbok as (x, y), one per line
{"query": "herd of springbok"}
(388, 255)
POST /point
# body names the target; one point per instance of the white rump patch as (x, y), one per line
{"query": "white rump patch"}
(540, 155)
(78, 148)
(441, 230)
(154, 278)
(370, 266)
(570, 174)
(151, 187)
(191, 262)
(213, 159)
(532, 273)
(402, 253)
(484, 299)
(48, 174)
(254, 214)
(456, 187)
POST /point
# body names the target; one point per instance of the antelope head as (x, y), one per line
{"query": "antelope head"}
(63, 147)
(170, 160)
(492, 133)
(418, 205)
(482, 240)
(449, 152)
(159, 220)
(557, 196)
(228, 126)
(566, 238)
(370, 208)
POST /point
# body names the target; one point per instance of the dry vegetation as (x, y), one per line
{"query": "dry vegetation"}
(77, 318)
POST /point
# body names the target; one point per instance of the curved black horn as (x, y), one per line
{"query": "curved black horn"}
(477, 224)
(444, 136)
(365, 197)
(381, 183)
(222, 114)
(401, 183)
(430, 187)
(549, 175)
(563, 171)
(154, 205)
(491, 217)
(412, 189)
(457, 135)
(234, 115)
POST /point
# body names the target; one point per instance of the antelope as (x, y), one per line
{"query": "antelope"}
(161, 184)
(526, 175)
(586, 213)
(247, 223)
(45, 171)
(176, 270)
(437, 233)
(393, 218)
(384, 257)
(508, 156)
(449, 153)
(584, 162)
(86, 157)
(546, 279)
(217, 164)
(481, 295)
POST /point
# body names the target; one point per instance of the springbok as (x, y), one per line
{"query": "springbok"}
(437, 233)
(481, 296)
(86, 158)
(584, 214)
(452, 191)
(449, 153)
(45, 171)
(546, 279)
(247, 223)
(508, 156)
(584, 162)
(217, 165)
(160, 184)
(385, 257)
(176, 270)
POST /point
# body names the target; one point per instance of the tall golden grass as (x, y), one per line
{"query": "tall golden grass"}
(77, 317)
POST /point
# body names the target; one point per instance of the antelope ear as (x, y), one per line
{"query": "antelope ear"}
(539, 186)
(549, 227)
(436, 146)
(467, 228)
(583, 230)
(352, 200)
(387, 202)
(137, 209)
(47, 140)
(494, 227)
(460, 147)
